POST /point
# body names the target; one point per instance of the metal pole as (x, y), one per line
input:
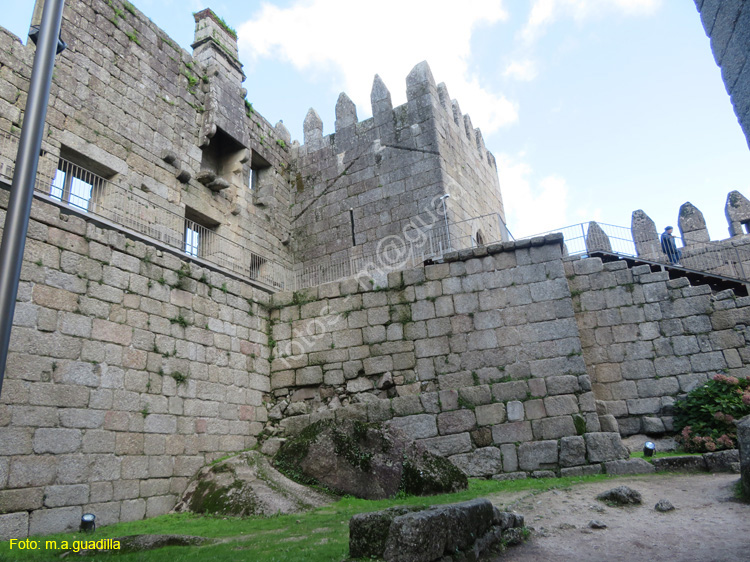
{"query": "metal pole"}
(447, 230)
(27, 160)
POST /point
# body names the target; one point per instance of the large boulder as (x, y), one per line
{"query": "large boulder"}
(244, 485)
(365, 460)
(413, 534)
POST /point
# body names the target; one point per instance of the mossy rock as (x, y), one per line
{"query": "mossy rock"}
(426, 474)
(365, 460)
(246, 485)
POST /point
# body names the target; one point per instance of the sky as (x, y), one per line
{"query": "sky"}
(592, 108)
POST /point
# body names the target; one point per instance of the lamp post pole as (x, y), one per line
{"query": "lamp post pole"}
(27, 160)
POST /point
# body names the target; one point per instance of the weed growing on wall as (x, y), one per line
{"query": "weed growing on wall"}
(705, 417)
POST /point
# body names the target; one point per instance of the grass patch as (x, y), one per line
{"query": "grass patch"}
(179, 377)
(317, 536)
(179, 320)
(133, 36)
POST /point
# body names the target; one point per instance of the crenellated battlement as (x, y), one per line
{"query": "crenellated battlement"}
(692, 225)
(728, 257)
(370, 179)
(425, 99)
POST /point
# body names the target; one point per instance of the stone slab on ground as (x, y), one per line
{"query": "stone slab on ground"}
(405, 534)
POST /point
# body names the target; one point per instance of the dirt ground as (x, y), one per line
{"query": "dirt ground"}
(708, 524)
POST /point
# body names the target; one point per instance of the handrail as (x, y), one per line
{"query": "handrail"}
(408, 249)
(712, 257)
(713, 279)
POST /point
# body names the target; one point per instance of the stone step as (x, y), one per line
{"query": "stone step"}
(716, 282)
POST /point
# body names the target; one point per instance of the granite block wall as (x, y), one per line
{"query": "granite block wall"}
(129, 104)
(128, 370)
(648, 339)
(131, 368)
(727, 24)
(479, 358)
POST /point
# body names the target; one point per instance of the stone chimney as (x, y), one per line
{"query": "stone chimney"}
(216, 44)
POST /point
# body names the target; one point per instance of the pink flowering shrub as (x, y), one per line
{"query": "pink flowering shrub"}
(705, 417)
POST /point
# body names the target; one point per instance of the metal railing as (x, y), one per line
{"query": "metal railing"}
(577, 239)
(713, 257)
(409, 249)
(91, 194)
(8, 150)
(94, 195)
(392, 254)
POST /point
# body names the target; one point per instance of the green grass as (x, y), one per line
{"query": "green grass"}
(317, 536)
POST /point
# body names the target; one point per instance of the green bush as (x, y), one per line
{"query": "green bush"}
(705, 417)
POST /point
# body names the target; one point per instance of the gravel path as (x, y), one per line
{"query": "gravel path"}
(708, 524)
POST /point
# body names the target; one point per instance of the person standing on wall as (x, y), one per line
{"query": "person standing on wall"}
(669, 246)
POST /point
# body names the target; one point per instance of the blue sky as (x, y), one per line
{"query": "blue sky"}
(593, 108)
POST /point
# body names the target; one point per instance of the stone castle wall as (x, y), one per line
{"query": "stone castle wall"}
(131, 366)
(729, 257)
(727, 24)
(479, 358)
(128, 370)
(648, 339)
(129, 104)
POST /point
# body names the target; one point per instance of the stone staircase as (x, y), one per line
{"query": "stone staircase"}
(696, 277)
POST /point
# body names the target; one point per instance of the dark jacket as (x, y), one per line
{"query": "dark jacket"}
(668, 245)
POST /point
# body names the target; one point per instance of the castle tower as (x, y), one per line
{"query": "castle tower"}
(381, 180)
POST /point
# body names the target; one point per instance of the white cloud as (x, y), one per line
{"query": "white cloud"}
(531, 205)
(388, 39)
(523, 70)
(545, 12)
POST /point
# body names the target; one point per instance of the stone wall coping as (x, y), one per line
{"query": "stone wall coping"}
(499, 247)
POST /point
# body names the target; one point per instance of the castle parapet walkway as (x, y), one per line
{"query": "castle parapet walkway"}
(727, 259)
(696, 277)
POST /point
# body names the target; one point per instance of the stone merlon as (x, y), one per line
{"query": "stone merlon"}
(420, 82)
(380, 97)
(346, 112)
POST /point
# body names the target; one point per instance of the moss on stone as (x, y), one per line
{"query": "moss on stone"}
(348, 447)
(580, 424)
(209, 498)
(431, 475)
(293, 451)
(358, 443)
